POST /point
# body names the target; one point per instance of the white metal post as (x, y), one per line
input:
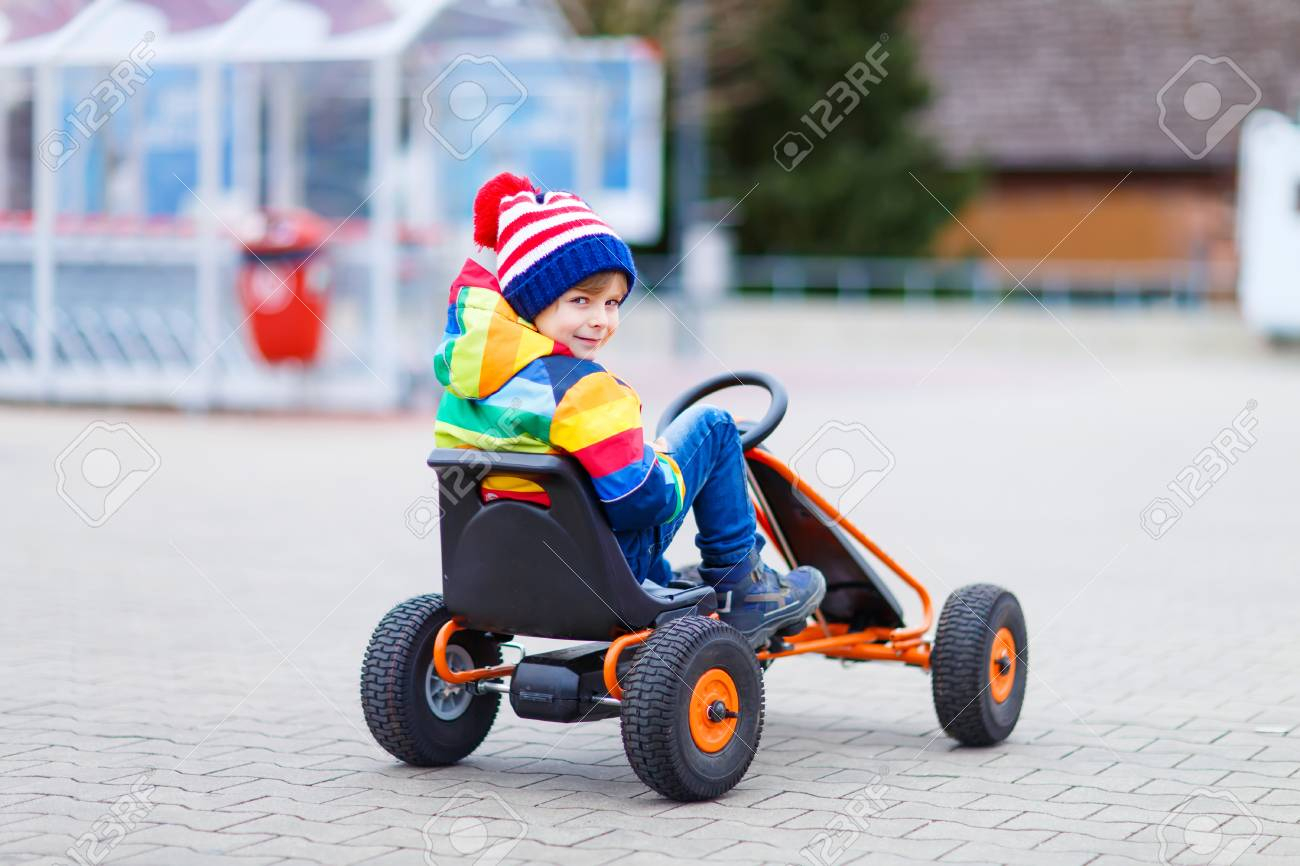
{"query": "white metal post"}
(385, 93)
(589, 101)
(7, 96)
(246, 137)
(282, 123)
(44, 205)
(208, 240)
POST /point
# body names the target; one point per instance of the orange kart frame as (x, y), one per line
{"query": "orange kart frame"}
(834, 640)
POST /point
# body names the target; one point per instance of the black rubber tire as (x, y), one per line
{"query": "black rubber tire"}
(656, 704)
(392, 687)
(959, 669)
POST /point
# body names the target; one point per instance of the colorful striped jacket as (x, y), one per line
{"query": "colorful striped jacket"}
(510, 388)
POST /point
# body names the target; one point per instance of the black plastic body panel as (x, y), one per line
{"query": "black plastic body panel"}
(562, 685)
(518, 568)
(855, 594)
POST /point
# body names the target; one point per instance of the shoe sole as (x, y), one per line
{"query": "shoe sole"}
(760, 636)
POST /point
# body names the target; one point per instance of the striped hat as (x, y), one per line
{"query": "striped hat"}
(546, 243)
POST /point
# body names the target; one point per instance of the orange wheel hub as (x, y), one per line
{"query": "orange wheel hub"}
(714, 707)
(1002, 665)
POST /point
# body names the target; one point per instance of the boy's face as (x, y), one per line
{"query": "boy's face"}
(585, 318)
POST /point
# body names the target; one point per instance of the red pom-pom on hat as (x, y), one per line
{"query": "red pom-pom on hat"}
(487, 205)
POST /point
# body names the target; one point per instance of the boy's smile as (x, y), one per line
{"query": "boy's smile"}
(585, 317)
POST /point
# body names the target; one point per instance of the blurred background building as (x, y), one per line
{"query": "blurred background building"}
(1057, 102)
(150, 140)
(185, 182)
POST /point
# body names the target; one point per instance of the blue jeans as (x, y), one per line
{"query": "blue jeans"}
(706, 445)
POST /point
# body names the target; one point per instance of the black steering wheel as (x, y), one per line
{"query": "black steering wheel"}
(750, 434)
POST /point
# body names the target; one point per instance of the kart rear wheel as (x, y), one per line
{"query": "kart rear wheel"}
(980, 664)
(416, 716)
(692, 710)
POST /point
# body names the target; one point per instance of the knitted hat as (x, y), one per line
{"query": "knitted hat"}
(545, 243)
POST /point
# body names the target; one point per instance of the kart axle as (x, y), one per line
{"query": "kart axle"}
(718, 712)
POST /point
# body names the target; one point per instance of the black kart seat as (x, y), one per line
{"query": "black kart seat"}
(520, 568)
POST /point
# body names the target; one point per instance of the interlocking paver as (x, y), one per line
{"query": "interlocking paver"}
(250, 789)
(332, 811)
(1002, 837)
(1100, 796)
(13, 837)
(174, 855)
(664, 824)
(769, 816)
(881, 849)
(197, 840)
(1049, 808)
(1283, 846)
(986, 818)
(1113, 860)
(320, 852)
(976, 852)
(876, 859)
(292, 775)
(1083, 843)
(397, 782)
(289, 825)
(1258, 780)
(529, 851)
(1281, 797)
(254, 764)
(359, 802)
(672, 847)
(1102, 829)
(1025, 790)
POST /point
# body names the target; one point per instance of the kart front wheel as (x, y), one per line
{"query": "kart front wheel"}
(416, 716)
(979, 664)
(692, 710)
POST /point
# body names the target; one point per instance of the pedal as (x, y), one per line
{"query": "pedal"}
(779, 644)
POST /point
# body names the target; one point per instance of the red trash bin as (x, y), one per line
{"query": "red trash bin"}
(284, 281)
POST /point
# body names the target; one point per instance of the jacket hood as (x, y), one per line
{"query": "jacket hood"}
(486, 342)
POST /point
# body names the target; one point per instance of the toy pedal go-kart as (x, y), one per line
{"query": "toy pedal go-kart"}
(686, 686)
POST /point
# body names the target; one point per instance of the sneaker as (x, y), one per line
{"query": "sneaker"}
(765, 603)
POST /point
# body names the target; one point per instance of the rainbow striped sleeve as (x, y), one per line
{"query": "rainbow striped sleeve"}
(598, 421)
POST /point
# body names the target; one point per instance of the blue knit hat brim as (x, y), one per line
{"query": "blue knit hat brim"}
(553, 275)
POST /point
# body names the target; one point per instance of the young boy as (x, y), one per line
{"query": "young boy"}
(517, 363)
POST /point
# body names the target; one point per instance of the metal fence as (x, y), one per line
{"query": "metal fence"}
(1181, 282)
(124, 328)
(125, 313)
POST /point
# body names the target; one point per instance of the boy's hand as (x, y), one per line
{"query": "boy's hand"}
(660, 444)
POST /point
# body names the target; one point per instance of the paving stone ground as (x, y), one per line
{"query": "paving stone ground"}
(179, 685)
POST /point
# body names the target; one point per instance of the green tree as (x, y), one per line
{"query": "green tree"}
(854, 192)
(730, 27)
(770, 61)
